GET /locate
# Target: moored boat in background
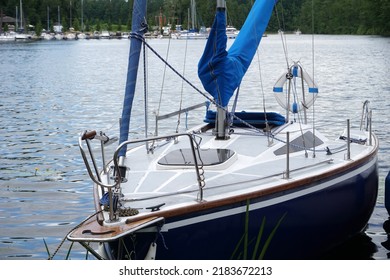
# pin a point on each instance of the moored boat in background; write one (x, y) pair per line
(231, 32)
(7, 37)
(59, 36)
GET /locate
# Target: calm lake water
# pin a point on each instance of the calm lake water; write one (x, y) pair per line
(50, 91)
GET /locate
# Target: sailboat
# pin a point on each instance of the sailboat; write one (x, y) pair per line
(192, 33)
(58, 29)
(240, 185)
(47, 35)
(82, 35)
(71, 34)
(231, 32)
(5, 36)
(22, 35)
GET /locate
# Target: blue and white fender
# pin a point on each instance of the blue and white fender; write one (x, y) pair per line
(291, 75)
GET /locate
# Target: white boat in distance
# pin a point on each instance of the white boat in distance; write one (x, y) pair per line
(7, 37)
(231, 32)
(22, 37)
(59, 36)
(47, 36)
(104, 35)
(190, 36)
(240, 185)
(70, 36)
(81, 36)
(202, 34)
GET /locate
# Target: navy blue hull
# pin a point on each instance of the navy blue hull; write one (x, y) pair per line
(310, 224)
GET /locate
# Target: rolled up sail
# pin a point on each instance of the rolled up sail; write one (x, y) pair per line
(221, 71)
(138, 30)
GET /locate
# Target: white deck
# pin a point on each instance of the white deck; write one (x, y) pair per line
(254, 166)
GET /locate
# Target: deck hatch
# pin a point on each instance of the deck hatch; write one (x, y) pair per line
(184, 157)
(306, 141)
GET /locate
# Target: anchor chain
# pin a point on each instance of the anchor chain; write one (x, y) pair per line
(76, 227)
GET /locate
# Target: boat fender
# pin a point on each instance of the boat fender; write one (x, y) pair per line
(295, 71)
(387, 193)
(151, 254)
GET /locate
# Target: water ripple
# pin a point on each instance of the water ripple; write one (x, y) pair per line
(44, 187)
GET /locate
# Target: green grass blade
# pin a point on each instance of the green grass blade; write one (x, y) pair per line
(259, 235)
(237, 247)
(268, 241)
(246, 230)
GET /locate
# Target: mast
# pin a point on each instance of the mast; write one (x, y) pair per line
(70, 14)
(21, 16)
(48, 20)
(82, 16)
(221, 126)
(16, 18)
(188, 19)
(59, 19)
(193, 14)
(1, 21)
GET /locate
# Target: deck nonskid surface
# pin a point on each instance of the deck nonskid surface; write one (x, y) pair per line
(255, 167)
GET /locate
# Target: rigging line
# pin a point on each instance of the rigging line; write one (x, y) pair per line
(281, 31)
(233, 110)
(234, 106)
(145, 94)
(312, 51)
(164, 72)
(299, 113)
(212, 101)
(182, 87)
(171, 67)
(267, 129)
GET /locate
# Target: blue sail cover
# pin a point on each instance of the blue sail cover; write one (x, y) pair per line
(221, 71)
(138, 29)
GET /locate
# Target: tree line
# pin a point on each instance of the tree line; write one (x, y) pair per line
(363, 17)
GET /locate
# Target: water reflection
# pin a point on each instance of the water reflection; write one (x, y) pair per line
(360, 247)
(43, 187)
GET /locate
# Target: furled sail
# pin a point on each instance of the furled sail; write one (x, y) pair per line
(139, 27)
(221, 71)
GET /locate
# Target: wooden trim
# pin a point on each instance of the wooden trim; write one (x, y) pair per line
(92, 231)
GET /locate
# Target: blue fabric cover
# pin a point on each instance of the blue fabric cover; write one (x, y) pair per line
(139, 12)
(221, 71)
(257, 119)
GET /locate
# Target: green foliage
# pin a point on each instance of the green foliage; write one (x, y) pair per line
(245, 244)
(76, 24)
(330, 17)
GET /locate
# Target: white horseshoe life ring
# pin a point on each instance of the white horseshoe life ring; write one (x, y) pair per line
(298, 102)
